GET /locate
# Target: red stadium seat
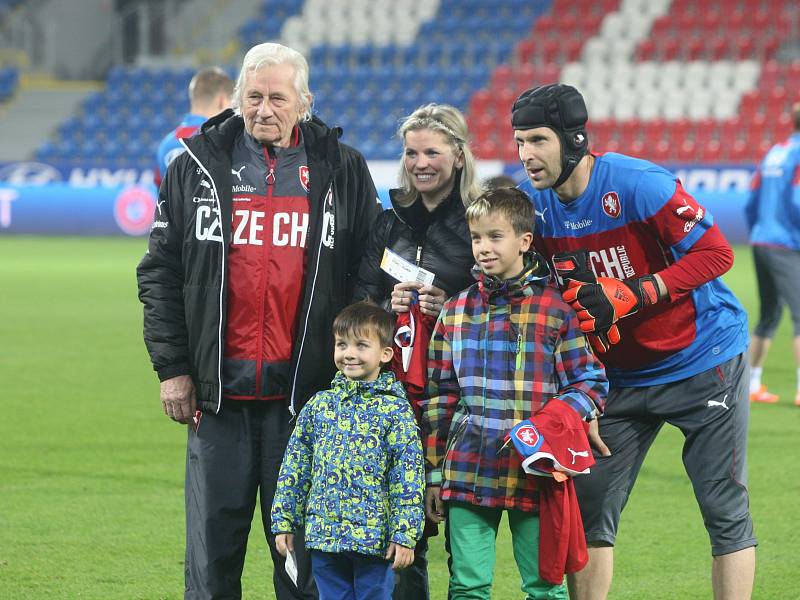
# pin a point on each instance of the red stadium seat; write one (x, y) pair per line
(658, 153)
(759, 21)
(590, 24)
(717, 48)
(567, 22)
(730, 130)
(686, 21)
(572, 49)
(655, 131)
(481, 103)
(711, 151)
(768, 46)
(508, 151)
(669, 48)
(695, 47)
(661, 27)
(487, 150)
(635, 148)
(549, 50)
(504, 99)
(734, 20)
(776, 101)
(525, 50)
(502, 77)
(744, 47)
(544, 24)
(646, 50)
(711, 21)
(482, 125)
(764, 145)
(686, 151)
(680, 131)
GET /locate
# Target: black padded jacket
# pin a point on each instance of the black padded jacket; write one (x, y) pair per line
(437, 240)
(182, 277)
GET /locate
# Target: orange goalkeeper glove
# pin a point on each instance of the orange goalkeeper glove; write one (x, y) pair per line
(599, 305)
(574, 266)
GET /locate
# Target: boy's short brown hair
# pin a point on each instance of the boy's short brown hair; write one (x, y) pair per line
(513, 204)
(363, 319)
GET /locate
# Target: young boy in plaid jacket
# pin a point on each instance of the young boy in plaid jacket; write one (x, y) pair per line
(500, 350)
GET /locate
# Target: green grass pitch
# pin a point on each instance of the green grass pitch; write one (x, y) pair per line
(91, 471)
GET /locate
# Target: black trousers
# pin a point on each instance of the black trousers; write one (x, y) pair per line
(233, 459)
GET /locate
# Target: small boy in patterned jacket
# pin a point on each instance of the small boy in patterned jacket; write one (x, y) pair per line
(500, 350)
(353, 471)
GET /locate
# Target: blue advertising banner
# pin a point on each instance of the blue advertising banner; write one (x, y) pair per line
(61, 209)
(36, 198)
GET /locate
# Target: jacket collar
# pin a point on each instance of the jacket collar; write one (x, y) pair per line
(535, 273)
(386, 383)
(220, 131)
(416, 216)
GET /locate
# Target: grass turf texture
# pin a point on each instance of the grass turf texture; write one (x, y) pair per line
(91, 471)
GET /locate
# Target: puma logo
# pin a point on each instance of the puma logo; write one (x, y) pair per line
(575, 455)
(541, 214)
(682, 209)
(722, 404)
(158, 205)
(239, 172)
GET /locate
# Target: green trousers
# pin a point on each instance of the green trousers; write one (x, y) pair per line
(473, 531)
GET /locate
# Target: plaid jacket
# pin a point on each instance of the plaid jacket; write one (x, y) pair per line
(499, 351)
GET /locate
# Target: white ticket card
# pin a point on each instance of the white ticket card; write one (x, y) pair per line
(291, 566)
(402, 270)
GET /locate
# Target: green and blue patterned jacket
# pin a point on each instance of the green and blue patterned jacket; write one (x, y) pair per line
(353, 470)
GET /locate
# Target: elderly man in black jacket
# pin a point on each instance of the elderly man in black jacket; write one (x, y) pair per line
(258, 233)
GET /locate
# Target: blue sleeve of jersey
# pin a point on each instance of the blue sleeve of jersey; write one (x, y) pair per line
(656, 187)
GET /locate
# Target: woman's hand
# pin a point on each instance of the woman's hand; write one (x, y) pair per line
(402, 294)
(431, 300)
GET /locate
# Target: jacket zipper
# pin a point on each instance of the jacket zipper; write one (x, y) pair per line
(223, 273)
(270, 179)
(311, 298)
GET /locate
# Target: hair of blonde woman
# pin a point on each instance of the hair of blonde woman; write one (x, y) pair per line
(275, 54)
(448, 121)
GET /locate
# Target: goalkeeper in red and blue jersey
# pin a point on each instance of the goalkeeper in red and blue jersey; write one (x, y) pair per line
(671, 335)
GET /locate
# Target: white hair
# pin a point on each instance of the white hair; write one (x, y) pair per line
(275, 54)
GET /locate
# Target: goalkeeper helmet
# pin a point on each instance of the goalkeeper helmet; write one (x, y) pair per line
(561, 108)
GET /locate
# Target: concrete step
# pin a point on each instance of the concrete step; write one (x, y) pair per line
(35, 112)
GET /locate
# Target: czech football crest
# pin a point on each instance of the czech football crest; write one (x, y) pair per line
(611, 204)
(527, 434)
(304, 177)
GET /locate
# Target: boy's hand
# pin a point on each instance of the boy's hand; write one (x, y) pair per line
(403, 556)
(284, 543)
(595, 440)
(434, 505)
